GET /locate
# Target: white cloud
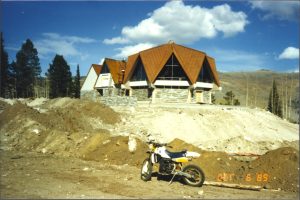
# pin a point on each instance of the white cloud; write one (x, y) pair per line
(235, 60)
(183, 24)
(60, 44)
(283, 10)
(289, 53)
(116, 40)
(101, 61)
(11, 48)
(129, 50)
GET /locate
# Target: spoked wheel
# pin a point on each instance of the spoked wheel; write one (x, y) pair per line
(197, 174)
(146, 170)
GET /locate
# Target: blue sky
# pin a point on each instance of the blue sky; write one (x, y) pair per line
(240, 35)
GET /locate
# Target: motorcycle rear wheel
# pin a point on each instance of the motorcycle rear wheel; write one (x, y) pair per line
(197, 173)
(146, 170)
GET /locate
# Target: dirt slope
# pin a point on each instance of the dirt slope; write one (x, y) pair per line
(94, 132)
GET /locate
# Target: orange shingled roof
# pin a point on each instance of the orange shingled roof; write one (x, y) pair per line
(190, 60)
(97, 68)
(155, 58)
(212, 65)
(129, 66)
(115, 69)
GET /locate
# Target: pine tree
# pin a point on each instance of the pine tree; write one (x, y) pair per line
(11, 73)
(27, 69)
(230, 100)
(60, 78)
(77, 84)
(3, 69)
(229, 97)
(274, 103)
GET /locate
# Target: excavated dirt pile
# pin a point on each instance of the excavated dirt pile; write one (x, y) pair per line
(277, 169)
(58, 126)
(89, 130)
(113, 150)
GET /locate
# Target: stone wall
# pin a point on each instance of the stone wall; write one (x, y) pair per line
(119, 101)
(141, 94)
(206, 97)
(171, 95)
(90, 95)
(110, 97)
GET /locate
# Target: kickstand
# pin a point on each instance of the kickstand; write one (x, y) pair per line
(172, 178)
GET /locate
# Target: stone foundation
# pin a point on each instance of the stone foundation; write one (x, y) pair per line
(171, 95)
(141, 94)
(119, 101)
(117, 97)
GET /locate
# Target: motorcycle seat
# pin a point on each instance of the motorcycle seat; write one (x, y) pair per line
(177, 154)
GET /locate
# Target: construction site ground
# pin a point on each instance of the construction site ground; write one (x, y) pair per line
(36, 175)
(68, 148)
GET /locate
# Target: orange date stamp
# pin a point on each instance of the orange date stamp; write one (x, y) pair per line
(257, 177)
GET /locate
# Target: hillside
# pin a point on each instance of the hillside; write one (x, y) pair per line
(259, 86)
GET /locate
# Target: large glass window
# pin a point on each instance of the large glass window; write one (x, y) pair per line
(104, 69)
(172, 70)
(139, 73)
(205, 74)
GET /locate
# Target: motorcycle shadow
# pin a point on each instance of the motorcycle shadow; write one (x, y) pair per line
(167, 178)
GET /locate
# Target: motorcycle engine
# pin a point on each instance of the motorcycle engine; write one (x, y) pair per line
(166, 166)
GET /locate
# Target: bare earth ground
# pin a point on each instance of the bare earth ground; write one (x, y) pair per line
(68, 148)
(36, 175)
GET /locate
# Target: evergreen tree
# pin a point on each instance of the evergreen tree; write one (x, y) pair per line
(60, 78)
(27, 69)
(236, 102)
(230, 100)
(274, 103)
(11, 74)
(77, 84)
(229, 97)
(3, 69)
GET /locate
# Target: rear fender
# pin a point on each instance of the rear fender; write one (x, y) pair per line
(192, 154)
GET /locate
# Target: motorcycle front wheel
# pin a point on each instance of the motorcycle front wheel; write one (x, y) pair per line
(197, 174)
(146, 170)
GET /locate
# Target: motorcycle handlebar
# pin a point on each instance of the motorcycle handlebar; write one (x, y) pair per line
(158, 144)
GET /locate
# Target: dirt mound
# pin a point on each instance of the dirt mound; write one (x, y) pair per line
(82, 108)
(62, 123)
(85, 129)
(276, 169)
(113, 150)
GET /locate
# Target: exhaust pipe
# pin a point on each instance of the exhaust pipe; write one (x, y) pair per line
(184, 174)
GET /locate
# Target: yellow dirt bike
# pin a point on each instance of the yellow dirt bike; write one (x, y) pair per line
(170, 163)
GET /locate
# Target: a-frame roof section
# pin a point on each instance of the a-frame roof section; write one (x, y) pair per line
(154, 59)
(97, 68)
(212, 66)
(191, 61)
(115, 68)
(130, 66)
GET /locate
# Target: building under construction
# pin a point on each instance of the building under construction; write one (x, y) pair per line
(165, 73)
